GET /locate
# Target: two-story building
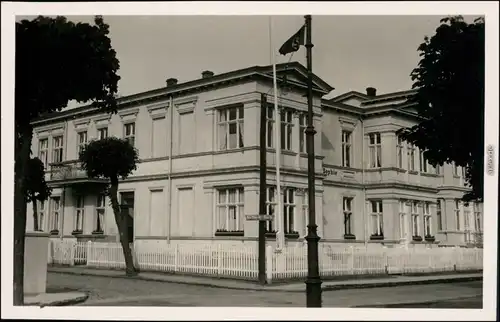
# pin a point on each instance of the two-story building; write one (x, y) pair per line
(198, 175)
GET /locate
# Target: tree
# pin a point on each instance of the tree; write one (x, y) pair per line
(56, 61)
(449, 83)
(36, 187)
(113, 158)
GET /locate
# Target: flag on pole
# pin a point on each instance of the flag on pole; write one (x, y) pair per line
(293, 44)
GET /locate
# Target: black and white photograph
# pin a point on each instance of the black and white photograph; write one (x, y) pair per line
(340, 156)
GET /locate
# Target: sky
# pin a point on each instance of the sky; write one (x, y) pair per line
(349, 53)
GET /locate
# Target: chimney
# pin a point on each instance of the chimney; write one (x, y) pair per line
(171, 81)
(207, 74)
(371, 91)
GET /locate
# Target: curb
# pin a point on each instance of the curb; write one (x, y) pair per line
(73, 301)
(277, 289)
(398, 305)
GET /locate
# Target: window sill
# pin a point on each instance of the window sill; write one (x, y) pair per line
(376, 237)
(412, 172)
(76, 232)
(427, 174)
(401, 170)
(349, 236)
(54, 232)
(294, 235)
(417, 238)
(270, 234)
(229, 233)
(98, 233)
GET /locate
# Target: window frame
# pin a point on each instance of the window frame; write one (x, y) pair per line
(79, 214)
(375, 150)
(377, 213)
(238, 206)
(100, 214)
(346, 137)
(131, 136)
(286, 130)
(347, 211)
(57, 150)
(55, 213)
(226, 123)
(43, 150)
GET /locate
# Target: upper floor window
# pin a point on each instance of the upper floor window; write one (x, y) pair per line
(230, 127)
(455, 169)
(286, 129)
(102, 133)
(129, 133)
(230, 209)
(399, 151)
(346, 148)
(423, 162)
(457, 214)
(411, 157)
(43, 151)
(439, 215)
(82, 140)
(57, 149)
(347, 209)
(270, 127)
(302, 130)
(375, 147)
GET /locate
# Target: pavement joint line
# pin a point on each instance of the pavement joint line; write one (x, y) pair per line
(277, 288)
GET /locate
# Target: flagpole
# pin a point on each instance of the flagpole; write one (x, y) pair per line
(278, 221)
(313, 281)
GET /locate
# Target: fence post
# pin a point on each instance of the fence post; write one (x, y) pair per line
(219, 259)
(176, 258)
(269, 264)
(88, 256)
(72, 254)
(352, 261)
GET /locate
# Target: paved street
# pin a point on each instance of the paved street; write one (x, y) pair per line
(105, 291)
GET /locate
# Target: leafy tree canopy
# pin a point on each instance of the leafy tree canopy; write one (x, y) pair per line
(57, 61)
(449, 80)
(35, 184)
(109, 158)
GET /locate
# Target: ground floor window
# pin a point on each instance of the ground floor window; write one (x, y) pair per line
(100, 214)
(377, 219)
(289, 210)
(40, 215)
(54, 215)
(230, 210)
(80, 213)
(347, 210)
(270, 208)
(427, 220)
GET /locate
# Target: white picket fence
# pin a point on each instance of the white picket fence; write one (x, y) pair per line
(241, 262)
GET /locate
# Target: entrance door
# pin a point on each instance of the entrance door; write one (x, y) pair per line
(127, 203)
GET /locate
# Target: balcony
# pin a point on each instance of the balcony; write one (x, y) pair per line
(69, 172)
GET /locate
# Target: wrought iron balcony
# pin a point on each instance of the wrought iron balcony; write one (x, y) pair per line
(68, 172)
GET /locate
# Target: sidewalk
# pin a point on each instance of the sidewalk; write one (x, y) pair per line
(289, 287)
(55, 299)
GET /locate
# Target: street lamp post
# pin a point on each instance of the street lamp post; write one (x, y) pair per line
(313, 281)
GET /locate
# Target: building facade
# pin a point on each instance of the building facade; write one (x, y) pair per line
(198, 176)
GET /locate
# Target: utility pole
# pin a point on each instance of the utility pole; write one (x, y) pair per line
(262, 190)
(313, 281)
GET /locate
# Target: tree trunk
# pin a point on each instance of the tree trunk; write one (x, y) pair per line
(22, 155)
(121, 222)
(35, 214)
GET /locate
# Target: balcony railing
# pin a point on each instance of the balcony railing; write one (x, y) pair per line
(67, 171)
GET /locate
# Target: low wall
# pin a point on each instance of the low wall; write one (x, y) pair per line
(35, 262)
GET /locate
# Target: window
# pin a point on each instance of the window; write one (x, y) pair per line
(427, 220)
(102, 133)
(347, 209)
(271, 207)
(82, 140)
(57, 149)
(41, 215)
(289, 210)
(100, 213)
(286, 129)
(415, 227)
(230, 128)
(477, 218)
(305, 212)
(457, 214)
(302, 128)
(129, 134)
(455, 169)
(270, 127)
(423, 163)
(375, 148)
(411, 157)
(467, 224)
(439, 215)
(403, 220)
(43, 147)
(346, 148)
(399, 149)
(230, 212)
(54, 216)
(438, 169)
(377, 222)
(80, 212)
